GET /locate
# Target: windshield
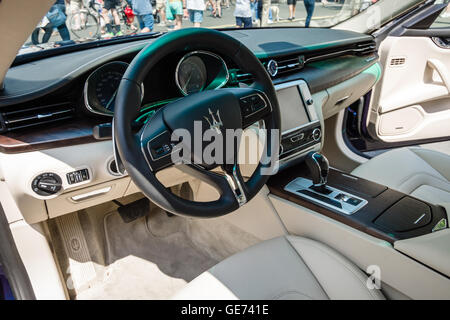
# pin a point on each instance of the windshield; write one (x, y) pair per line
(77, 21)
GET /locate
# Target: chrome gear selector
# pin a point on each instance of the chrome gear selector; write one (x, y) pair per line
(319, 167)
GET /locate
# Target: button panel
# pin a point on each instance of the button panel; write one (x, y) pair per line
(160, 146)
(158, 150)
(78, 176)
(299, 139)
(252, 104)
(348, 199)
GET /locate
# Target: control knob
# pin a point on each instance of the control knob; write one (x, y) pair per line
(317, 134)
(47, 184)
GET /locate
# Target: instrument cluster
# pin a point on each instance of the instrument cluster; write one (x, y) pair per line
(195, 72)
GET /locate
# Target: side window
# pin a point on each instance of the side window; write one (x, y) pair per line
(443, 21)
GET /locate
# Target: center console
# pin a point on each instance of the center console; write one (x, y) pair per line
(367, 206)
(300, 123)
(364, 205)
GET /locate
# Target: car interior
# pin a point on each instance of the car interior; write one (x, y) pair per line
(354, 187)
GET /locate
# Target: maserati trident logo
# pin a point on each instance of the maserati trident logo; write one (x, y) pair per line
(214, 123)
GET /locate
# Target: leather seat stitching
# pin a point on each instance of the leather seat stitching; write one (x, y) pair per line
(419, 174)
(279, 295)
(429, 185)
(417, 153)
(312, 273)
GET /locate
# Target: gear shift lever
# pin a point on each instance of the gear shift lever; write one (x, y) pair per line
(319, 167)
(317, 191)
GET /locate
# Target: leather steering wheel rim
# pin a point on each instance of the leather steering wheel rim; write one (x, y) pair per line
(132, 146)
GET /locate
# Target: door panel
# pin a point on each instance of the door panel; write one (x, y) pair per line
(412, 100)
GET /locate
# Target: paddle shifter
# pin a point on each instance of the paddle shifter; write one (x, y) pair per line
(319, 167)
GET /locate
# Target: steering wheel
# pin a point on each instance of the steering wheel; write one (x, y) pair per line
(151, 149)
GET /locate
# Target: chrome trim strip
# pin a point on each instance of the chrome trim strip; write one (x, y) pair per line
(315, 147)
(289, 84)
(298, 147)
(323, 180)
(341, 100)
(90, 195)
(268, 68)
(420, 218)
(115, 152)
(234, 183)
(348, 176)
(299, 127)
(338, 53)
(38, 116)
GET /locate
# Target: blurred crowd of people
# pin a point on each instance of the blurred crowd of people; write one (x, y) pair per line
(247, 13)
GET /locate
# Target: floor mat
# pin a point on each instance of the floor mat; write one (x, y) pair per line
(150, 258)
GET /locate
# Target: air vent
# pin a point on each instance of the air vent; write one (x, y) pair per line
(19, 117)
(290, 63)
(398, 61)
(281, 65)
(244, 77)
(365, 48)
(238, 76)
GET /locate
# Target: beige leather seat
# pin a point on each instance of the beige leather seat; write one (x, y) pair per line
(282, 268)
(422, 173)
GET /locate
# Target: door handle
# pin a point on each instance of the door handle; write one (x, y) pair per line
(443, 43)
(442, 70)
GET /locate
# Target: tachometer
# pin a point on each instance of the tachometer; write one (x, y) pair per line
(200, 70)
(101, 87)
(191, 75)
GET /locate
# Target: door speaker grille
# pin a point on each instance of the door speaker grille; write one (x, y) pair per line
(398, 61)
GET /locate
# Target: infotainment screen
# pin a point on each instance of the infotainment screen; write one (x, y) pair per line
(293, 111)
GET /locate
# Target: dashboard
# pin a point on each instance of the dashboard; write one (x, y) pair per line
(48, 120)
(80, 91)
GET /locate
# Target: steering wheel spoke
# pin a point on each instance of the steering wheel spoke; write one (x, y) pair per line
(236, 183)
(221, 183)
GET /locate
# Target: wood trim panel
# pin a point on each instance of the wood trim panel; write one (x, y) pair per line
(77, 131)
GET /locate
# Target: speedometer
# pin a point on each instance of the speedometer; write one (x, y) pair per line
(106, 88)
(101, 87)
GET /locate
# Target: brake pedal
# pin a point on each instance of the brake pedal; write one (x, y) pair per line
(134, 210)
